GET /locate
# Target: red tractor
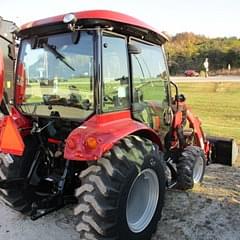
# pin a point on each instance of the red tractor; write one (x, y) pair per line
(94, 122)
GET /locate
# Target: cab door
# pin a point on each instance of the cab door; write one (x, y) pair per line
(150, 87)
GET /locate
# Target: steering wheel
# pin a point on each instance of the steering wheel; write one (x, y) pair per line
(107, 99)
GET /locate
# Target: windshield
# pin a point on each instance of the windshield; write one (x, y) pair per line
(55, 75)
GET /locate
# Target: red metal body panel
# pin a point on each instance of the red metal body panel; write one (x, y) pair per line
(106, 129)
(177, 121)
(195, 124)
(21, 83)
(1, 76)
(96, 14)
(23, 124)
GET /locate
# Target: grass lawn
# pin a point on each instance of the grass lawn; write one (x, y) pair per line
(217, 105)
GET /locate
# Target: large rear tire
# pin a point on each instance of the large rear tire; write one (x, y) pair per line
(122, 194)
(18, 197)
(190, 167)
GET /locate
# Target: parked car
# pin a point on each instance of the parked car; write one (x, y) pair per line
(191, 73)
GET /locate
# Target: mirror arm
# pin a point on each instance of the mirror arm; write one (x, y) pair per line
(15, 56)
(176, 89)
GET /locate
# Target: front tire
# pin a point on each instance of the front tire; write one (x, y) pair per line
(190, 167)
(122, 194)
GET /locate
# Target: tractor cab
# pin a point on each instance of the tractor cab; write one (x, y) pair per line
(91, 65)
(80, 67)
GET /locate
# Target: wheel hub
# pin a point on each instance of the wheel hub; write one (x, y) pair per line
(142, 200)
(198, 169)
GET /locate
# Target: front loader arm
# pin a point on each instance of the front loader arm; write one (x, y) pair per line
(182, 116)
(217, 149)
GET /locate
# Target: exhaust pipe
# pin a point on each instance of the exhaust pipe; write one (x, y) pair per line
(224, 150)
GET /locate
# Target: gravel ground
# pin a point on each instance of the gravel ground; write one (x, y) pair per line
(210, 212)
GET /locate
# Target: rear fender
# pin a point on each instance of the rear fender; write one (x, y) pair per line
(97, 135)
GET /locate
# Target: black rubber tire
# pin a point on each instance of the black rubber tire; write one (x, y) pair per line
(185, 167)
(18, 198)
(105, 186)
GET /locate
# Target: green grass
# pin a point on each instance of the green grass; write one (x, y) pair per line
(217, 105)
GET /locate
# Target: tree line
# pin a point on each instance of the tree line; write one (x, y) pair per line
(188, 51)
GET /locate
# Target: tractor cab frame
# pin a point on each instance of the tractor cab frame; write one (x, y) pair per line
(100, 67)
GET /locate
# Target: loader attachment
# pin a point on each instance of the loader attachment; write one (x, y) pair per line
(224, 150)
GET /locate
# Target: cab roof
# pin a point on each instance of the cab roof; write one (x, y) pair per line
(106, 15)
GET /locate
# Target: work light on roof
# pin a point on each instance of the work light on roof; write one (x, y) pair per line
(70, 18)
(14, 29)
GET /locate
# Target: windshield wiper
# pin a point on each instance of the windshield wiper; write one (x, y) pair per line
(58, 55)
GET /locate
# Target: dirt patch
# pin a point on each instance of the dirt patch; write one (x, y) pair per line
(209, 212)
(55, 226)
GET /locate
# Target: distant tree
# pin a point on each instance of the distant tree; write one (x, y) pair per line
(188, 51)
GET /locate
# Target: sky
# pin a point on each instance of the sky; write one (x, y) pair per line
(212, 18)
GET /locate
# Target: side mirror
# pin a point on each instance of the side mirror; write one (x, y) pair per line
(1, 76)
(134, 49)
(11, 52)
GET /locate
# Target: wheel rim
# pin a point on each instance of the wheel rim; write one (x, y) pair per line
(198, 170)
(168, 174)
(142, 200)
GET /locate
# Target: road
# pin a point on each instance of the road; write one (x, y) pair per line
(209, 79)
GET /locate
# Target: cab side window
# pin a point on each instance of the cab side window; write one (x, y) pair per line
(115, 73)
(150, 85)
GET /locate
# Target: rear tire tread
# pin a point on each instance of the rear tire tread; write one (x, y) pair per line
(96, 220)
